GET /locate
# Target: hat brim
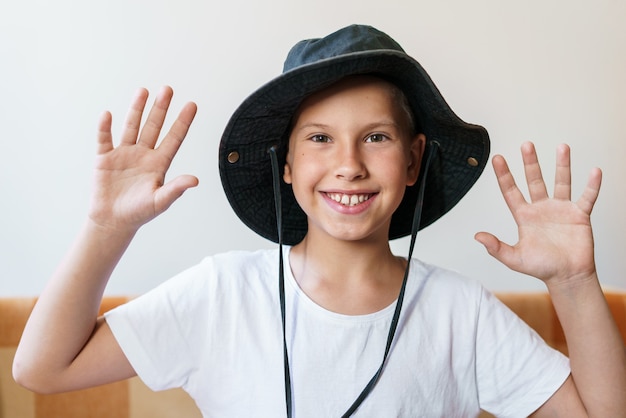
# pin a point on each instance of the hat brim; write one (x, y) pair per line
(263, 120)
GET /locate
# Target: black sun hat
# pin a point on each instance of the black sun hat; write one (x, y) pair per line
(262, 121)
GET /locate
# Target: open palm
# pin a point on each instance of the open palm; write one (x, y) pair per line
(130, 187)
(555, 237)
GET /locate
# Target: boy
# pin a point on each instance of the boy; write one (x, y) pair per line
(367, 150)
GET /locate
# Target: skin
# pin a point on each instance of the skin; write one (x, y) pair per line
(65, 346)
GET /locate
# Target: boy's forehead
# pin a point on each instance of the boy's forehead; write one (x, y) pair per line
(390, 100)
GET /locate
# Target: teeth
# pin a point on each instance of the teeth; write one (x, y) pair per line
(349, 199)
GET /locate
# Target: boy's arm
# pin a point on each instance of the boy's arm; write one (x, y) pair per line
(64, 345)
(556, 246)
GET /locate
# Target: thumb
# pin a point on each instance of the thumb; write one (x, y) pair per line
(496, 248)
(499, 250)
(172, 190)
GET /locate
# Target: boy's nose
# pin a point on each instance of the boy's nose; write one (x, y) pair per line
(350, 164)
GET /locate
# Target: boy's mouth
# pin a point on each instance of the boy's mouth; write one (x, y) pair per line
(349, 199)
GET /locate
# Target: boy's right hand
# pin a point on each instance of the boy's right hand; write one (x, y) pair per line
(130, 187)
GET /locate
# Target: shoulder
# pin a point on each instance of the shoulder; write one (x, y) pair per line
(214, 276)
(438, 279)
(240, 267)
(243, 260)
(453, 294)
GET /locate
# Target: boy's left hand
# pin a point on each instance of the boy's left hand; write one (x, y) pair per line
(555, 238)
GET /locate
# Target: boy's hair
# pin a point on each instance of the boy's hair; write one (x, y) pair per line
(398, 97)
(402, 101)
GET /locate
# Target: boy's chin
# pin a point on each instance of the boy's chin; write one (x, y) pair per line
(356, 235)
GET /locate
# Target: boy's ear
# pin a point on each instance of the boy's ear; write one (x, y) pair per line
(287, 173)
(416, 152)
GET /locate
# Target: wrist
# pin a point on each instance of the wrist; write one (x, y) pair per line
(109, 231)
(572, 284)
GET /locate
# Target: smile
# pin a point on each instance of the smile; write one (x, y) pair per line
(348, 199)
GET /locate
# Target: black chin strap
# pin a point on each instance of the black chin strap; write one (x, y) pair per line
(417, 214)
(281, 274)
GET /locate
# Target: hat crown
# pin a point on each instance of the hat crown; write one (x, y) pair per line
(349, 40)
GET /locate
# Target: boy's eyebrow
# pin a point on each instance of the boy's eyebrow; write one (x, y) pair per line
(316, 125)
(323, 126)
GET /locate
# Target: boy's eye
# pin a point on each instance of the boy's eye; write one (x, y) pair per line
(375, 138)
(320, 138)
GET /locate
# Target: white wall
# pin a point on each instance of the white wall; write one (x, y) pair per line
(547, 71)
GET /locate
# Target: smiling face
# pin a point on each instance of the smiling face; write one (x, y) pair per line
(352, 152)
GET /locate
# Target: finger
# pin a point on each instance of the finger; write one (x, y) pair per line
(591, 192)
(536, 186)
(563, 176)
(174, 138)
(152, 128)
(133, 117)
(104, 137)
(172, 190)
(502, 252)
(511, 193)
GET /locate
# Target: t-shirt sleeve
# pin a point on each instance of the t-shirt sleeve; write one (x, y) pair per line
(157, 331)
(513, 362)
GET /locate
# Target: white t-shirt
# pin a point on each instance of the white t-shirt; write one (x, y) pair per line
(215, 330)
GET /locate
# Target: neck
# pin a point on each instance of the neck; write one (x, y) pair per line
(350, 277)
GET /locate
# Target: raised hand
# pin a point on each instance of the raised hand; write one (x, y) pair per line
(64, 346)
(130, 187)
(555, 238)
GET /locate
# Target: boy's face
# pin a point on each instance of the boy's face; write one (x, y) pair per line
(351, 154)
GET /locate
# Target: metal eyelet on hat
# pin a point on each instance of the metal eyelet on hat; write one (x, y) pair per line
(473, 162)
(233, 157)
